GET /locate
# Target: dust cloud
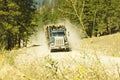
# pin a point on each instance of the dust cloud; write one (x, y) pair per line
(73, 34)
(38, 38)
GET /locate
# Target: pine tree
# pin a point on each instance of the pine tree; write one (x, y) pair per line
(17, 21)
(8, 14)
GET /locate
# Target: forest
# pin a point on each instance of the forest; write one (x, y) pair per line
(20, 19)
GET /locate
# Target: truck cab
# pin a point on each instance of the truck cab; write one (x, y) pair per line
(57, 39)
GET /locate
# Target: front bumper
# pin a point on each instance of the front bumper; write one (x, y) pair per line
(60, 47)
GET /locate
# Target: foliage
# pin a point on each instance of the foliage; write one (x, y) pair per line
(96, 18)
(19, 19)
(17, 22)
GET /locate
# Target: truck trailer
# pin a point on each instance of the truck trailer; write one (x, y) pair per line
(57, 37)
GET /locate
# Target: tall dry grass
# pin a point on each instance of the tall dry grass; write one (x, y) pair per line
(106, 45)
(49, 69)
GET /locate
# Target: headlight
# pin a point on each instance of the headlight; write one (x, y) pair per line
(52, 44)
(66, 43)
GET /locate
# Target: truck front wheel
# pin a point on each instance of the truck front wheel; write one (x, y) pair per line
(51, 50)
(67, 49)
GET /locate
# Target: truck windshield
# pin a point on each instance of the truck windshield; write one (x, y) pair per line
(58, 33)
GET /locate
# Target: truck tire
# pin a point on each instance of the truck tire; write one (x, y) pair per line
(67, 49)
(51, 50)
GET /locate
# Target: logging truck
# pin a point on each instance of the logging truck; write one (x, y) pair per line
(57, 37)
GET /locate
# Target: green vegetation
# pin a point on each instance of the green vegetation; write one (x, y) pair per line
(96, 18)
(19, 19)
(17, 22)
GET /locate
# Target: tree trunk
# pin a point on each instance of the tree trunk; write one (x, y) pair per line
(9, 42)
(19, 42)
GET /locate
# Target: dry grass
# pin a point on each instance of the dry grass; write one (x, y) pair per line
(48, 69)
(107, 45)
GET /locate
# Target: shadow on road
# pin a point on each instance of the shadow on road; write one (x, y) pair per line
(61, 50)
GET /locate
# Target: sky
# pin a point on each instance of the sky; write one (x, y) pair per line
(41, 1)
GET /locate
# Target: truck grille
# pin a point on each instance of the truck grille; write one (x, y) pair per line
(59, 42)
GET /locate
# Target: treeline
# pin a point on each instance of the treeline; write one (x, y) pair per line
(17, 22)
(95, 17)
(19, 19)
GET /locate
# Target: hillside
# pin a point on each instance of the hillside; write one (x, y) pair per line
(108, 45)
